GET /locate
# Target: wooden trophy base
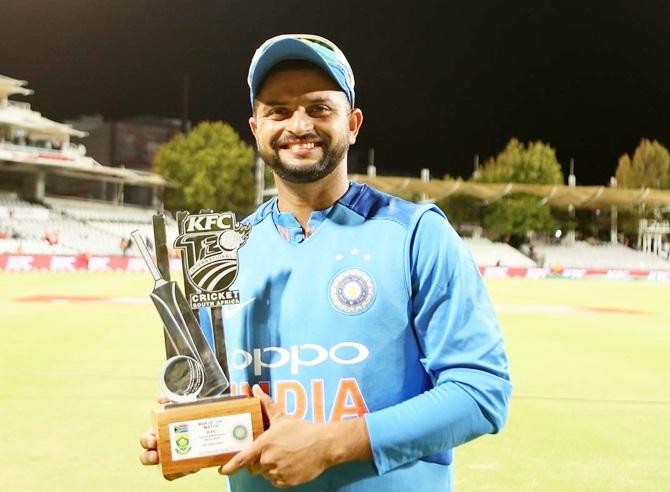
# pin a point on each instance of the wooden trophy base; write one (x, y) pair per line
(206, 432)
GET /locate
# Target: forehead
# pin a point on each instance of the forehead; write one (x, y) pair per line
(294, 83)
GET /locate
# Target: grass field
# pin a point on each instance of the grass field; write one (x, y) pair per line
(590, 365)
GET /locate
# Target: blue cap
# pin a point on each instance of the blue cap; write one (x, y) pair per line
(315, 49)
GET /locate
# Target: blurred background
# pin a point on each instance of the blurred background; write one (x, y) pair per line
(540, 128)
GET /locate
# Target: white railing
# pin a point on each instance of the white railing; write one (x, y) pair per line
(73, 150)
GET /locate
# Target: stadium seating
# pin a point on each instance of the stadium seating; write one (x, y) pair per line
(109, 225)
(486, 252)
(61, 226)
(614, 256)
(74, 227)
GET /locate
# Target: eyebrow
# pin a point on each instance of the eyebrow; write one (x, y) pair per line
(274, 102)
(280, 102)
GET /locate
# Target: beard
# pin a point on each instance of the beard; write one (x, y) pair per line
(332, 157)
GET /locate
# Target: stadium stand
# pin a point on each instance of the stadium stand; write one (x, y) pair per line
(68, 226)
(486, 252)
(72, 227)
(584, 255)
(34, 148)
(110, 225)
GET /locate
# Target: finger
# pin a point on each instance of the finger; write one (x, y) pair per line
(272, 410)
(162, 399)
(149, 440)
(241, 459)
(255, 468)
(149, 457)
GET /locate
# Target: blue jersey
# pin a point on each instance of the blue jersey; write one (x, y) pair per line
(380, 312)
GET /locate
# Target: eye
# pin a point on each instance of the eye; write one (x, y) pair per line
(319, 110)
(278, 112)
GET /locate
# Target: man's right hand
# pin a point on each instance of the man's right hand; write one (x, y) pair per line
(149, 441)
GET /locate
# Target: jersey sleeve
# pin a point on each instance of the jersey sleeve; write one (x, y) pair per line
(462, 352)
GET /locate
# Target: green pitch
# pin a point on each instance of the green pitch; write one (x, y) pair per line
(590, 365)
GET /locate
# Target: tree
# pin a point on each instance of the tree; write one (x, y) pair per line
(212, 168)
(534, 163)
(461, 209)
(518, 213)
(650, 167)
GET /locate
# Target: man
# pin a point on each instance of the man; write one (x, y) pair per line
(362, 315)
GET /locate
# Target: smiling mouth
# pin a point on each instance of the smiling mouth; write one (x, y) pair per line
(297, 146)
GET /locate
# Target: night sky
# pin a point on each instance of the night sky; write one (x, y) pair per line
(438, 82)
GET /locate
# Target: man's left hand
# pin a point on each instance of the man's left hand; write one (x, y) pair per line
(289, 453)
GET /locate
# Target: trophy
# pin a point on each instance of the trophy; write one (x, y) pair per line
(203, 425)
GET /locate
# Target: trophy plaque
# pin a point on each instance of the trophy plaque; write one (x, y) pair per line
(203, 425)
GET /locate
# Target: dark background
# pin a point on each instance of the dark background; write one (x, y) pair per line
(438, 81)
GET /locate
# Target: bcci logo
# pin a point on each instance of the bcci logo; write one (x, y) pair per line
(352, 291)
(240, 432)
(209, 243)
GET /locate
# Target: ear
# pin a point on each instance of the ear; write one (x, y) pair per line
(254, 126)
(355, 122)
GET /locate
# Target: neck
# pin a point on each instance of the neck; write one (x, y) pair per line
(302, 199)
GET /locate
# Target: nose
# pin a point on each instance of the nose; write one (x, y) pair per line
(300, 123)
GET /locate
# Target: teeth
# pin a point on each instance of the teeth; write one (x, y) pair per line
(297, 146)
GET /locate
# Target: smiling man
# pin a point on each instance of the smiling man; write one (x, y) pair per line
(366, 330)
(303, 124)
